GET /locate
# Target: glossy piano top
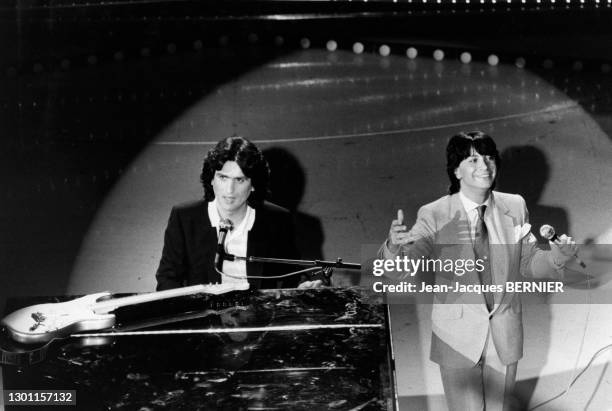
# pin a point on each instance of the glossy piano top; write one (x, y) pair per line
(271, 349)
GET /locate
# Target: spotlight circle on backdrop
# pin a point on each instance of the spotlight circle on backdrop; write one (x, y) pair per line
(278, 108)
(364, 127)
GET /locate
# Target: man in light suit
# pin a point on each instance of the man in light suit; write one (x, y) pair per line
(477, 338)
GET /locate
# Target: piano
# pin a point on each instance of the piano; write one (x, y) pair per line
(286, 349)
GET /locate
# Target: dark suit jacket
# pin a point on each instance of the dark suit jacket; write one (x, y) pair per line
(190, 242)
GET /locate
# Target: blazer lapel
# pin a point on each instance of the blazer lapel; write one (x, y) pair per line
(459, 232)
(210, 237)
(255, 241)
(502, 243)
(505, 220)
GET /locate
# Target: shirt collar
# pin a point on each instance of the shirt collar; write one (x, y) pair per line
(213, 215)
(470, 205)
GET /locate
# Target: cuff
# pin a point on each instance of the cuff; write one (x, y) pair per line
(387, 253)
(558, 266)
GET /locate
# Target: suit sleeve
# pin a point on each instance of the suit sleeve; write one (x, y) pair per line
(536, 262)
(290, 251)
(172, 267)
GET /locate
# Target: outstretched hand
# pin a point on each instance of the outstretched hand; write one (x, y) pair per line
(398, 234)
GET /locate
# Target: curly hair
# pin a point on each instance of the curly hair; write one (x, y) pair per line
(460, 147)
(247, 156)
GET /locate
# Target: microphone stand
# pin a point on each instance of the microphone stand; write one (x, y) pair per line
(325, 265)
(306, 263)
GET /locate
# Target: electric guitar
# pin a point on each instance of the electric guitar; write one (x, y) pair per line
(42, 323)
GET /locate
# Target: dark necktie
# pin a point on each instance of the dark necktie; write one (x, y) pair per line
(481, 250)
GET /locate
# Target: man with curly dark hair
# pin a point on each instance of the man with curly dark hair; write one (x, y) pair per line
(235, 179)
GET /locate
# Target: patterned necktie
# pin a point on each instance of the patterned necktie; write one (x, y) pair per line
(481, 250)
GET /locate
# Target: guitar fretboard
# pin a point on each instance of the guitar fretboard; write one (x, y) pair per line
(112, 304)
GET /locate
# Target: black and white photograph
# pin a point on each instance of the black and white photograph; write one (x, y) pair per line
(398, 205)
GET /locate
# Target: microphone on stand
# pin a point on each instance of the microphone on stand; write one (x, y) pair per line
(548, 232)
(225, 225)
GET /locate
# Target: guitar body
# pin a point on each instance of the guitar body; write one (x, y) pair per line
(42, 323)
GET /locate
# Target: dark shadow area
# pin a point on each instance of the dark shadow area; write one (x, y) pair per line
(79, 99)
(525, 171)
(287, 185)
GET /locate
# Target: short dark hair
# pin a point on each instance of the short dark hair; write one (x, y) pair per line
(247, 156)
(460, 147)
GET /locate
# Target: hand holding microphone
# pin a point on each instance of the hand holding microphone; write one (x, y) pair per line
(563, 247)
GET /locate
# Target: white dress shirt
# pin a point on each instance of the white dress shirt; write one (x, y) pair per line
(235, 243)
(471, 209)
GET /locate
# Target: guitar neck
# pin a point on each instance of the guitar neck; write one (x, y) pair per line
(112, 304)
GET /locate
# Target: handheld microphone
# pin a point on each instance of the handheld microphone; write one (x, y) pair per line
(548, 232)
(225, 225)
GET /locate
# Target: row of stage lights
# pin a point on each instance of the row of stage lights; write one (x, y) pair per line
(358, 48)
(383, 50)
(465, 57)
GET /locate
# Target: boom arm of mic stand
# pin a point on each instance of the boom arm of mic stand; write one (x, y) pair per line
(306, 263)
(324, 265)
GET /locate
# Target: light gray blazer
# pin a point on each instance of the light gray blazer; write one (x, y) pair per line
(461, 322)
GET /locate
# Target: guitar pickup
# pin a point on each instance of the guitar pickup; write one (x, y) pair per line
(38, 317)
